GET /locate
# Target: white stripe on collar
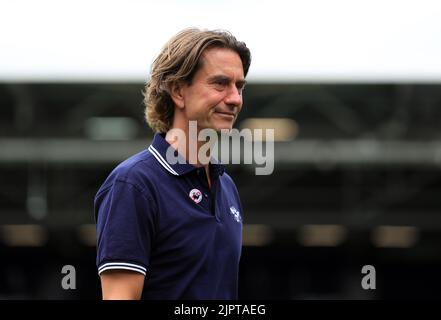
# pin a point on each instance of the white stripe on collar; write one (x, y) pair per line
(162, 161)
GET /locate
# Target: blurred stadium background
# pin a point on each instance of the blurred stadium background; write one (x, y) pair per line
(357, 177)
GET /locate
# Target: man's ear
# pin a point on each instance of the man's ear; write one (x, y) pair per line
(176, 93)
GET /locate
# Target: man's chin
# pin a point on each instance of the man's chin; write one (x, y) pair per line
(219, 129)
(224, 125)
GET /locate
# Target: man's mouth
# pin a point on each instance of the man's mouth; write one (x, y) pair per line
(226, 114)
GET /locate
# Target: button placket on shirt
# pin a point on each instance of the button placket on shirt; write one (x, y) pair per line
(207, 192)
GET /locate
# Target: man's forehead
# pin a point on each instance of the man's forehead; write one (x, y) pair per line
(221, 61)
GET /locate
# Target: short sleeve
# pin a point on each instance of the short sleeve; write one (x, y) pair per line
(125, 223)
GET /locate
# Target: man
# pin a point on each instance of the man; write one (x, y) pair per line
(174, 230)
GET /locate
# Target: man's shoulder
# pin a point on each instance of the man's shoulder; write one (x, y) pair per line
(137, 170)
(228, 182)
(227, 178)
(134, 165)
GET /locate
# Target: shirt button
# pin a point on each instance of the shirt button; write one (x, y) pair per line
(205, 195)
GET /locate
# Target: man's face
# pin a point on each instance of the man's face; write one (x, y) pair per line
(214, 98)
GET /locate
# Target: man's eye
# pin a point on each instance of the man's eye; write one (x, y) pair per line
(219, 85)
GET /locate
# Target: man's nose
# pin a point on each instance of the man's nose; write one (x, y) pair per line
(234, 97)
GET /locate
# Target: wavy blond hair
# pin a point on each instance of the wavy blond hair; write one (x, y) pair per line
(177, 63)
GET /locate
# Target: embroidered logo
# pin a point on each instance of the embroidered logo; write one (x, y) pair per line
(195, 195)
(235, 213)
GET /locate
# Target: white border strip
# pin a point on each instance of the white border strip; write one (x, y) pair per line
(162, 161)
(122, 265)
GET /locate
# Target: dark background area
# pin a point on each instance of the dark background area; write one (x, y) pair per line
(357, 184)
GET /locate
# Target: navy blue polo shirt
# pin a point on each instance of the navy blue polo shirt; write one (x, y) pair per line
(163, 220)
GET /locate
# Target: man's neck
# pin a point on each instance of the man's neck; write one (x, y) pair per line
(191, 145)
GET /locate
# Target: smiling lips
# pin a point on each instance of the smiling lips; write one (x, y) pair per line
(229, 115)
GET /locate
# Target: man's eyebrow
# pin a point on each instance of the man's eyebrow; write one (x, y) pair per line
(220, 77)
(241, 83)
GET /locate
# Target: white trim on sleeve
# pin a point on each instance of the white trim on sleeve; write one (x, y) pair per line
(122, 265)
